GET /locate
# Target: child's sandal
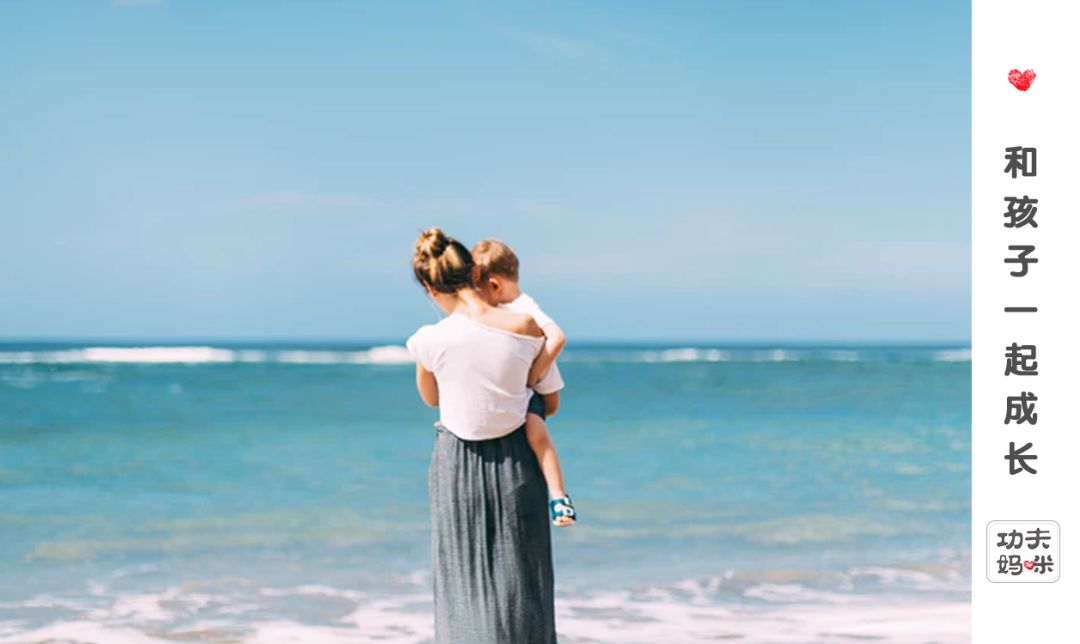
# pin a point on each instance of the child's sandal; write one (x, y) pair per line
(562, 509)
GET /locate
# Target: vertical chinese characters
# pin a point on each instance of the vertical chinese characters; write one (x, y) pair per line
(1020, 359)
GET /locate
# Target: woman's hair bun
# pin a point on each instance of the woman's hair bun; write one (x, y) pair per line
(432, 242)
(442, 262)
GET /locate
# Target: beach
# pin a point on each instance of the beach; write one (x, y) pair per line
(277, 492)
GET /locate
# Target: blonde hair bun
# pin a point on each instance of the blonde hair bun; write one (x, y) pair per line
(442, 262)
(432, 242)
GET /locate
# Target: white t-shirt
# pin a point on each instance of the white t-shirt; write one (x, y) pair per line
(481, 373)
(525, 304)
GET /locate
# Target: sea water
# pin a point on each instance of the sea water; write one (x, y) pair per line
(278, 492)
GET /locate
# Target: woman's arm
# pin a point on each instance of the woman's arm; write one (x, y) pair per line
(427, 386)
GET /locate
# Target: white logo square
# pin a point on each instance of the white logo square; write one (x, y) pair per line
(1023, 551)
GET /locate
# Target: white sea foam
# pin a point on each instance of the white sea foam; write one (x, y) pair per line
(794, 593)
(121, 355)
(157, 354)
(844, 356)
(376, 355)
(616, 616)
(390, 354)
(75, 631)
(206, 355)
(765, 610)
(776, 355)
(953, 355)
(684, 355)
(318, 357)
(399, 355)
(947, 578)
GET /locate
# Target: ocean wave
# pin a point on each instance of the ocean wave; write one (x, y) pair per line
(120, 355)
(844, 356)
(391, 354)
(953, 355)
(683, 355)
(399, 355)
(763, 355)
(776, 355)
(239, 610)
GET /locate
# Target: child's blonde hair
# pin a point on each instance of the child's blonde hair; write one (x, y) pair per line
(495, 258)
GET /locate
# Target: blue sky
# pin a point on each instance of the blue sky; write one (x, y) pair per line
(779, 171)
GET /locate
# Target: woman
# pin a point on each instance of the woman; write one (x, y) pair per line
(491, 540)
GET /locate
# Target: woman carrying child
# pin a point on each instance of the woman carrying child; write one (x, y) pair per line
(491, 538)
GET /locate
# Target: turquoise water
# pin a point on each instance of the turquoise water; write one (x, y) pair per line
(157, 487)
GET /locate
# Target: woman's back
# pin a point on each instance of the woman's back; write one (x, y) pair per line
(493, 578)
(481, 370)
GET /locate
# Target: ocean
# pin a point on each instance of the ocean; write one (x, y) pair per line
(278, 493)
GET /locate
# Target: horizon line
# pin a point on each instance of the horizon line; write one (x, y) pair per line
(208, 340)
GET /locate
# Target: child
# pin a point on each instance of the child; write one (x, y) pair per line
(499, 285)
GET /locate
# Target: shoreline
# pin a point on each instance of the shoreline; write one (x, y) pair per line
(610, 616)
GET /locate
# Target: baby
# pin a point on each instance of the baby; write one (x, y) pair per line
(499, 286)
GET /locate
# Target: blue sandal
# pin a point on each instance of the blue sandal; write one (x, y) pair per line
(562, 507)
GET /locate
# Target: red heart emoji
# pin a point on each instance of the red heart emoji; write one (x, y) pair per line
(1030, 565)
(1022, 80)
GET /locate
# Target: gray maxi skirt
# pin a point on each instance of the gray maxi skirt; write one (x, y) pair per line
(490, 542)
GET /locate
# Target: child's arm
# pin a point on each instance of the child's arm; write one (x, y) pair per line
(427, 386)
(553, 346)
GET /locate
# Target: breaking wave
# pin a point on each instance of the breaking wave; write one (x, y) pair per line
(399, 355)
(207, 355)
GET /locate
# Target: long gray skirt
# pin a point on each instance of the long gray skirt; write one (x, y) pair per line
(491, 542)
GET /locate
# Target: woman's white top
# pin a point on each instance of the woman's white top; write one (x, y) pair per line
(481, 371)
(525, 304)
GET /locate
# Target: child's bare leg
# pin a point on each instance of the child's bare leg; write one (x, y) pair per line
(544, 448)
